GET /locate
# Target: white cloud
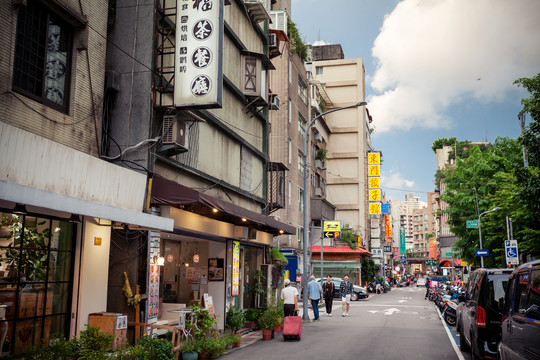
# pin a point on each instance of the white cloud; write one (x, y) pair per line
(395, 181)
(433, 54)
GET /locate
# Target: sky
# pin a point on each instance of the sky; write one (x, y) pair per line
(434, 69)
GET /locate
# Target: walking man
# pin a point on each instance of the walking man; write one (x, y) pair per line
(314, 295)
(289, 295)
(345, 291)
(328, 290)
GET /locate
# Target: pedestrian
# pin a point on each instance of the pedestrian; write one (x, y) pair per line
(378, 287)
(345, 291)
(328, 290)
(428, 285)
(314, 295)
(289, 295)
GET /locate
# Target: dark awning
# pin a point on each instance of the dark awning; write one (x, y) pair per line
(168, 192)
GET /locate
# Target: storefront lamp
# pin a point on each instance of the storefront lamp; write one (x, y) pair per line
(215, 210)
(160, 261)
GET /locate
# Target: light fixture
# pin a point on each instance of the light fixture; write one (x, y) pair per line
(74, 218)
(215, 210)
(186, 264)
(281, 231)
(57, 229)
(244, 219)
(160, 261)
(20, 209)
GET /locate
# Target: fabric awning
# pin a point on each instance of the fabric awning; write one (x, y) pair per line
(168, 192)
(340, 250)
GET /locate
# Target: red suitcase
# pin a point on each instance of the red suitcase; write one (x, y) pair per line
(292, 327)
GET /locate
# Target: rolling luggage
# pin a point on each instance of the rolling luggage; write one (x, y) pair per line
(292, 327)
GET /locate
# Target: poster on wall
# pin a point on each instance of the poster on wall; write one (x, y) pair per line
(216, 270)
(198, 55)
(153, 294)
(236, 268)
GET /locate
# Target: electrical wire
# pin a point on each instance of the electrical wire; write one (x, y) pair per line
(131, 148)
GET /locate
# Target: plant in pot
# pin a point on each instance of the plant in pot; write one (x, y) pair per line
(251, 317)
(234, 319)
(212, 347)
(190, 349)
(236, 340)
(268, 321)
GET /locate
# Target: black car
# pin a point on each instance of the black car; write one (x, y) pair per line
(358, 291)
(521, 318)
(479, 312)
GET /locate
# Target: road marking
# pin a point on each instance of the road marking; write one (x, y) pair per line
(452, 340)
(402, 301)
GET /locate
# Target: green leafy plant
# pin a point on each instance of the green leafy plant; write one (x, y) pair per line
(203, 323)
(155, 349)
(321, 154)
(214, 346)
(297, 44)
(277, 255)
(234, 319)
(190, 346)
(257, 288)
(252, 314)
(270, 318)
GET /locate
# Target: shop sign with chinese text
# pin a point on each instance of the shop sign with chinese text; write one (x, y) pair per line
(235, 268)
(198, 55)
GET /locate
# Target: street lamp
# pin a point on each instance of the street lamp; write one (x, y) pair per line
(480, 231)
(305, 237)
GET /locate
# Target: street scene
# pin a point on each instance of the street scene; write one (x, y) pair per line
(269, 179)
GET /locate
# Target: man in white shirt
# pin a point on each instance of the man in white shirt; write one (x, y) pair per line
(289, 295)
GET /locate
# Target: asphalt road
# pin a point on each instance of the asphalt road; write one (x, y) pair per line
(397, 325)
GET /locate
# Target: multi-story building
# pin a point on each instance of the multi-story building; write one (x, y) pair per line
(60, 201)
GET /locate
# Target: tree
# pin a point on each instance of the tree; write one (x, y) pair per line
(368, 269)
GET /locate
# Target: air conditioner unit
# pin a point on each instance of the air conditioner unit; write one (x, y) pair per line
(174, 132)
(273, 40)
(274, 102)
(319, 164)
(318, 191)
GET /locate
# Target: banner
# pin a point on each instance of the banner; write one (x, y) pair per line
(235, 268)
(387, 225)
(432, 248)
(402, 244)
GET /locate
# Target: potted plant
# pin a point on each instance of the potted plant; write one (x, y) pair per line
(237, 340)
(190, 350)
(251, 317)
(234, 319)
(212, 347)
(268, 321)
(277, 256)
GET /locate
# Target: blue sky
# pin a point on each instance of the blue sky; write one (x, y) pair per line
(437, 68)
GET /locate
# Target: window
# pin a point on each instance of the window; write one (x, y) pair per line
(290, 71)
(42, 56)
(300, 200)
(290, 111)
(300, 236)
(301, 162)
(521, 293)
(318, 70)
(289, 194)
(302, 90)
(290, 152)
(302, 123)
(36, 262)
(534, 296)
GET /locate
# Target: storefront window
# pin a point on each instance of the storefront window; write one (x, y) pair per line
(36, 261)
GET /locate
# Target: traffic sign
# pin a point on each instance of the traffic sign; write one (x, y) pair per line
(472, 224)
(403, 260)
(511, 250)
(332, 229)
(481, 252)
(387, 249)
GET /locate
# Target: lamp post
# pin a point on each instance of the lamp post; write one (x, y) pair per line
(305, 237)
(480, 231)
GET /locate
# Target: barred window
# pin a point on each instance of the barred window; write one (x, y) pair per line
(42, 56)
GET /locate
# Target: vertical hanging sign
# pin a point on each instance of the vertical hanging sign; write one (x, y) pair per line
(198, 72)
(402, 245)
(374, 183)
(235, 268)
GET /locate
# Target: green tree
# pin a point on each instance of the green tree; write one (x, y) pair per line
(368, 269)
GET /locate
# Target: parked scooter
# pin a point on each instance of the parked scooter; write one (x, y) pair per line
(450, 313)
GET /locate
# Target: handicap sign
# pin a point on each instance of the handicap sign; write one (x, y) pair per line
(511, 250)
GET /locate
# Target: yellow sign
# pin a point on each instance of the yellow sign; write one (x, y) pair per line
(374, 158)
(374, 182)
(374, 170)
(375, 195)
(360, 242)
(375, 208)
(332, 226)
(235, 268)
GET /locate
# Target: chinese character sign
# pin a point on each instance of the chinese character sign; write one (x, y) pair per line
(375, 195)
(374, 170)
(198, 55)
(387, 225)
(374, 182)
(374, 208)
(235, 268)
(374, 158)
(402, 244)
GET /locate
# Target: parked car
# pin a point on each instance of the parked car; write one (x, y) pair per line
(359, 292)
(479, 312)
(521, 318)
(421, 282)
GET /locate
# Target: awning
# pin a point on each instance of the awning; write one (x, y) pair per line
(449, 263)
(340, 250)
(168, 192)
(49, 200)
(336, 264)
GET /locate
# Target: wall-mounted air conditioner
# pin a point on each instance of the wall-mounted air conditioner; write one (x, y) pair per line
(274, 102)
(174, 132)
(273, 40)
(318, 191)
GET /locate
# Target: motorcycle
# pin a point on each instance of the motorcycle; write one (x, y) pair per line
(450, 313)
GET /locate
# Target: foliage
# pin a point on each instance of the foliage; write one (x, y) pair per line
(190, 346)
(270, 318)
(214, 346)
(440, 143)
(368, 269)
(297, 45)
(350, 237)
(94, 344)
(278, 255)
(234, 319)
(321, 154)
(531, 134)
(154, 348)
(203, 323)
(32, 262)
(252, 314)
(257, 288)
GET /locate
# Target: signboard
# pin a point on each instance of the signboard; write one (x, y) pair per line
(387, 249)
(472, 224)
(396, 251)
(402, 244)
(376, 252)
(387, 225)
(375, 233)
(403, 260)
(481, 252)
(235, 268)
(374, 170)
(374, 158)
(375, 195)
(431, 262)
(332, 229)
(209, 304)
(511, 250)
(374, 183)
(374, 208)
(360, 242)
(385, 208)
(433, 248)
(198, 69)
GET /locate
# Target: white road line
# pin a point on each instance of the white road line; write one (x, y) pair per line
(454, 345)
